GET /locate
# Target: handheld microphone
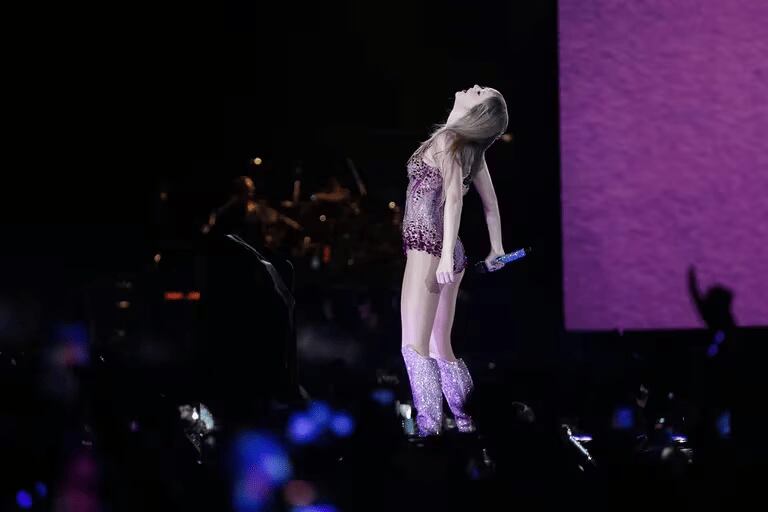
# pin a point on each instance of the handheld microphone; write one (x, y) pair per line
(481, 267)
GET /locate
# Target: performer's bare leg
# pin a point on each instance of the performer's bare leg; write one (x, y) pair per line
(419, 300)
(440, 337)
(455, 379)
(418, 306)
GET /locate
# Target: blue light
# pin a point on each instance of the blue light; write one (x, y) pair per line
(41, 489)
(315, 508)
(320, 412)
(712, 350)
(261, 466)
(72, 332)
(73, 344)
(277, 467)
(383, 396)
(724, 425)
(264, 452)
(719, 337)
(343, 425)
(24, 499)
(623, 418)
(303, 428)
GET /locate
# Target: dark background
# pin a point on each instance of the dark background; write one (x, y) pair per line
(109, 108)
(137, 102)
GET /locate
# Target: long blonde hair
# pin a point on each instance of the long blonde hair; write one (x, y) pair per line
(470, 136)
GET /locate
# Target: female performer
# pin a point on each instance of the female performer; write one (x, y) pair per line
(439, 173)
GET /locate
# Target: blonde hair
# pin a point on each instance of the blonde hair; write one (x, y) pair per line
(470, 136)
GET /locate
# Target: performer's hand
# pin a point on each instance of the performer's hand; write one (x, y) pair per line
(444, 272)
(490, 262)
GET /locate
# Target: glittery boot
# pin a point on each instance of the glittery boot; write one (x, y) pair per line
(457, 387)
(424, 375)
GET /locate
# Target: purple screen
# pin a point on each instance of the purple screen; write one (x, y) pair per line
(664, 126)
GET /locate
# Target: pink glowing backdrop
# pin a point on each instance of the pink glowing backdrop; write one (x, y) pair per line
(664, 126)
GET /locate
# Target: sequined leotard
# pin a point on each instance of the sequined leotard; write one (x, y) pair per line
(423, 216)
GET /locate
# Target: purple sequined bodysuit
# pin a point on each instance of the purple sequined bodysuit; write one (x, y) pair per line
(423, 216)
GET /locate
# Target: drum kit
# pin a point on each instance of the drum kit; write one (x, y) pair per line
(331, 227)
(328, 226)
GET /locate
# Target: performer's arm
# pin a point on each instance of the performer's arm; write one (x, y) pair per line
(484, 187)
(454, 196)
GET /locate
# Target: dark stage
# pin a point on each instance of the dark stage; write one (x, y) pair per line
(151, 361)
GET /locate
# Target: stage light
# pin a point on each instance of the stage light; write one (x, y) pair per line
(316, 508)
(350, 262)
(158, 257)
(24, 499)
(42, 489)
(303, 429)
(383, 396)
(257, 161)
(507, 137)
(323, 218)
(261, 464)
(343, 424)
(163, 196)
(123, 304)
(623, 418)
(273, 461)
(723, 425)
(320, 412)
(193, 296)
(171, 296)
(392, 205)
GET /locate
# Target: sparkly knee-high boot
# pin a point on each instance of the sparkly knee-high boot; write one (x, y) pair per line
(424, 375)
(457, 387)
